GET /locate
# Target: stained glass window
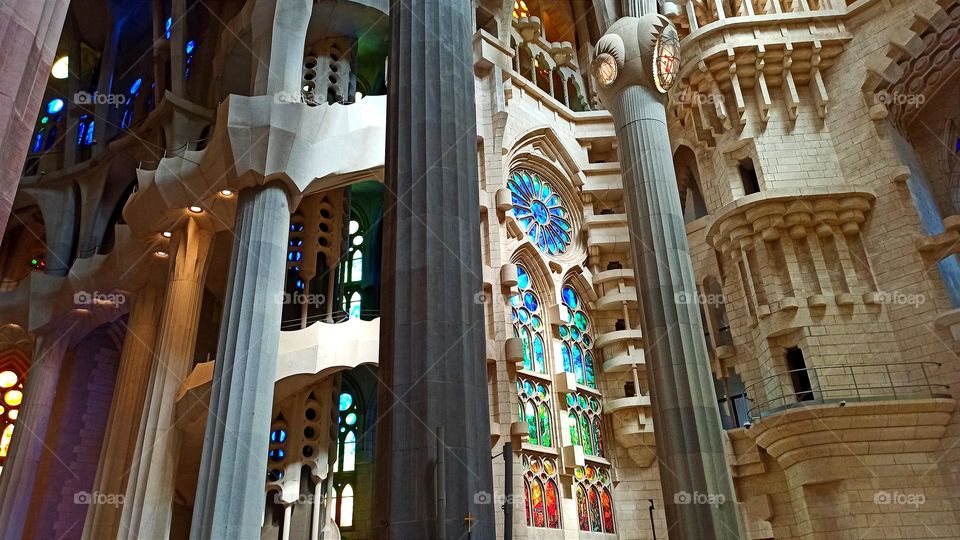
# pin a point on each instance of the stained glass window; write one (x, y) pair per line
(520, 9)
(352, 269)
(534, 409)
(540, 212)
(349, 420)
(528, 323)
(577, 347)
(277, 453)
(542, 491)
(586, 428)
(11, 396)
(594, 503)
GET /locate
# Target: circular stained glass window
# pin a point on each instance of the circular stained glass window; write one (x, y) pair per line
(666, 58)
(540, 212)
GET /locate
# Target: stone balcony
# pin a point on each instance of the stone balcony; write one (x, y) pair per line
(632, 421)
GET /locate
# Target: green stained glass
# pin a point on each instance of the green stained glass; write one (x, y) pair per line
(582, 401)
(572, 400)
(525, 341)
(580, 319)
(563, 332)
(574, 429)
(531, 417)
(545, 437)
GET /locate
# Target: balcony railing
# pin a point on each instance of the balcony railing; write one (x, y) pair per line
(691, 15)
(835, 384)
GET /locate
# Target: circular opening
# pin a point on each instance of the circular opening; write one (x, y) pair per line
(309, 75)
(309, 432)
(325, 213)
(334, 78)
(310, 414)
(307, 451)
(324, 227)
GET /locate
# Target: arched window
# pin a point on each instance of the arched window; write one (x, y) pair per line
(577, 347)
(12, 374)
(540, 212)
(345, 469)
(586, 427)
(277, 454)
(541, 491)
(535, 411)
(594, 504)
(352, 271)
(528, 323)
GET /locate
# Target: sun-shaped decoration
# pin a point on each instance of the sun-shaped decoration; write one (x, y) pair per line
(666, 58)
(540, 212)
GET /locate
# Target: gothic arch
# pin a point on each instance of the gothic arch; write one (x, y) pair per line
(528, 255)
(581, 281)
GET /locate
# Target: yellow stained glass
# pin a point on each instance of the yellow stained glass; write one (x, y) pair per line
(5, 440)
(13, 398)
(8, 379)
(13, 414)
(520, 9)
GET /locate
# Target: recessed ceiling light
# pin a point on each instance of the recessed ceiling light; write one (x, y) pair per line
(226, 192)
(167, 234)
(161, 253)
(61, 68)
(196, 209)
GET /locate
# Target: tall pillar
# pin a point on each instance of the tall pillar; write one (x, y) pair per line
(23, 459)
(696, 481)
(279, 39)
(432, 335)
(148, 504)
(124, 421)
(229, 501)
(23, 76)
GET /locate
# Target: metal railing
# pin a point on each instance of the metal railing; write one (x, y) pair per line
(817, 385)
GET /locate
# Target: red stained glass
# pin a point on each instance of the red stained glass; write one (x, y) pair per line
(553, 506)
(582, 511)
(598, 437)
(526, 494)
(607, 509)
(595, 511)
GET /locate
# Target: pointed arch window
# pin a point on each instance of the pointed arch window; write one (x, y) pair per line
(352, 270)
(594, 503)
(586, 427)
(535, 411)
(576, 333)
(540, 212)
(541, 492)
(349, 420)
(527, 315)
(12, 375)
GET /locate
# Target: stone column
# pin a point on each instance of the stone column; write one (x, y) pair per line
(23, 459)
(122, 425)
(148, 503)
(279, 39)
(689, 437)
(432, 342)
(229, 501)
(24, 70)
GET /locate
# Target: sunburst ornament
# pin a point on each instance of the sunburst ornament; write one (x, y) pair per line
(666, 58)
(540, 212)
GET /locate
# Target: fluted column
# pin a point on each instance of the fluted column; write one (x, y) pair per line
(123, 423)
(690, 450)
(20, 471)
(432, 333)
(148, 503)
(279, 36)
(229, 501)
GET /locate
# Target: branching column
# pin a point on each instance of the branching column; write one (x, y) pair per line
(229, 501)
(23, 459)
(122, 425)
(148, 504)
(432, 335)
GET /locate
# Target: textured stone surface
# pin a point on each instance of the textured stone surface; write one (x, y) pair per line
(690, 442)
(432, 340)
(229, 501)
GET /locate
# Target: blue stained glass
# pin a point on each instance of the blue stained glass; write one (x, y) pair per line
(37, 142)
(166, 27)
(513, 315)
(346, 400)
(528, 388)
(515, 300)
(574, 333)
(578, 363)
(135, 87)
(191, 45)
(524, 315)
(565, 353)
(55, 106)
(523, 279)
(588, 368)
(89, 138)
(539, 212)
(570, 297)
(81, 130)
(530, 300)
(541, 363)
